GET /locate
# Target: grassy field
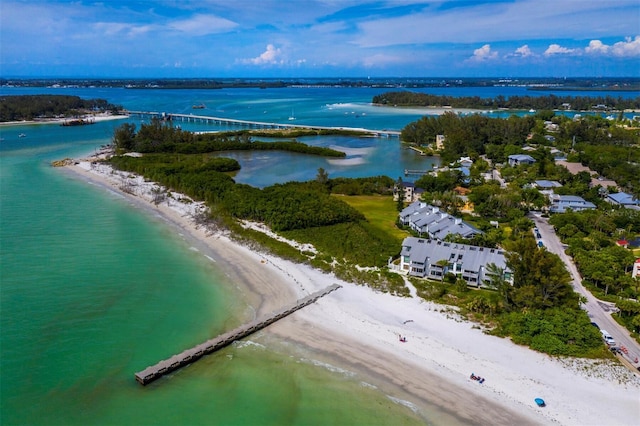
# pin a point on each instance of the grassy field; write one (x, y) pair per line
(379, 210)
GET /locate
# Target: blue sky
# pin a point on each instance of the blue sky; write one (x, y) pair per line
(319, 38)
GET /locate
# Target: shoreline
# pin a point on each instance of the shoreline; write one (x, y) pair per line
(358, 328)
(94, 119)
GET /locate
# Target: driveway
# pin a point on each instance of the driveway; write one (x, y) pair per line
(599, 311)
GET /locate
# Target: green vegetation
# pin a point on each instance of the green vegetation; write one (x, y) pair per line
(606, 146)
(380, 212)
(29, 107)
(355, 239)
(579, 103)
(161, 136)
(604, 266)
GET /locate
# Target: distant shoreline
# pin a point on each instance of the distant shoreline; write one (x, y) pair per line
(93, 117)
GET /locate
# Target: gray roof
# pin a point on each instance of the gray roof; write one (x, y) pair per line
(471, 257)
(426, 218)
(547, 184)
(522, 157)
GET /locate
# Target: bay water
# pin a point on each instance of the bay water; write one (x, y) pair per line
(94, 288)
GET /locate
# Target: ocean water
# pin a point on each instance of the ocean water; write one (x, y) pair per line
(94, 288)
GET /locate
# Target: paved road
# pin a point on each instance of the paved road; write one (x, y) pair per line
(599, 311)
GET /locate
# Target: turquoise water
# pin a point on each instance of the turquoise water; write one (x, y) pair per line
(94, 289)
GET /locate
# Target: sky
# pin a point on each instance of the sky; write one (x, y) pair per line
(319, 38)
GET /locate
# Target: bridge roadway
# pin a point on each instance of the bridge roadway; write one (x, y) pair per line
(158, 370)
(255, 124)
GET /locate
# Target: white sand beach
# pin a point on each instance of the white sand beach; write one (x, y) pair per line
(358, 329)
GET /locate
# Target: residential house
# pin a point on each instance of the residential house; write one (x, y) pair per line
(623, 199)
(409, 192)
(636, 269)
(546, 184)
(430, 221)
(518, 159)
(427, 258)
(562, 203)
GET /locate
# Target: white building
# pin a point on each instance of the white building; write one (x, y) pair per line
(562, 203)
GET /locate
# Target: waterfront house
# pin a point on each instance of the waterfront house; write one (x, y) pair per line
(432, 259)
(518, 159)
(562, 203)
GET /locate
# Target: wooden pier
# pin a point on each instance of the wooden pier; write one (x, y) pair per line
(154, 372)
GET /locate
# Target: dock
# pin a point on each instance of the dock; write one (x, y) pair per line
(408, 172)
(189, 356)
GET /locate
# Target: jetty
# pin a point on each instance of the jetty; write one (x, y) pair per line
(189, 356)
(191, 118)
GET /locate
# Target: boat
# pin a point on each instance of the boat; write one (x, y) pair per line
(22, 135)
(200, 106)
(540, 402)
(292, 117)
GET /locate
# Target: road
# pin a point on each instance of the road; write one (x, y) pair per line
(598, 311)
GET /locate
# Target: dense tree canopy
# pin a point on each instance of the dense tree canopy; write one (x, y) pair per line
(550, 102)
(29, 107)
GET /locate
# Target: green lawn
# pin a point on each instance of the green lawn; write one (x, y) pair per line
(379, 210)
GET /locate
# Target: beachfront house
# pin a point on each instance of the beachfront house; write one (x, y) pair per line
(562, 203)
(518, 159)
(427, 220)
(432, 259)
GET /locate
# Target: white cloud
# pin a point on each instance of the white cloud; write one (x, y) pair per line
(596, 46)
(483, 53)
(523, 51)
(628, 47)
(200, 25)
(556, 49)
(269, 57)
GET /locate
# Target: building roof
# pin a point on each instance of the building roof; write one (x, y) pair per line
(472, 257)
(624, 199)
(521, 157)
(547, 184)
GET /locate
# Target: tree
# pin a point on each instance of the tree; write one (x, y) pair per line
(498, 282)
(400, 192)
(124, 137)
(322, 177)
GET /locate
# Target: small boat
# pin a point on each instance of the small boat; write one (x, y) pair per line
(200, 106)
(540, 402)
(22, 135)
(292, 117)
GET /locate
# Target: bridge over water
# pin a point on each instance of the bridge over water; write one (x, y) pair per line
(191, 118)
